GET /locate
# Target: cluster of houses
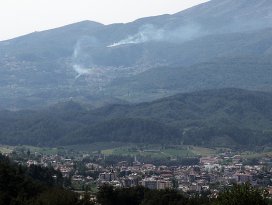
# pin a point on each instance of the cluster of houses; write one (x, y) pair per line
(210, 174)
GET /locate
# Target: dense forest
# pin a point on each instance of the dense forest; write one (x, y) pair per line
(215, 117)
(237, 195)
(33, 186)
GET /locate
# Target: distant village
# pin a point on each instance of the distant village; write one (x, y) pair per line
(210, 175)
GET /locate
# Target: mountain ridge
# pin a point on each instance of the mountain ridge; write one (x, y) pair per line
(83, 61)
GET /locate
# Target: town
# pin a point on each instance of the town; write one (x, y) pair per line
(210, 174)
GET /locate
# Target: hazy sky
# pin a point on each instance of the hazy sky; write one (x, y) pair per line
(18, 17)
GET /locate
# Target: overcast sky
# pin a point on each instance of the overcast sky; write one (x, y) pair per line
(18, 17)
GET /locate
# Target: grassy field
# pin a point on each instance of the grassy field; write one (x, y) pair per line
(99, 146)
(252, 155)
(160, 152)
(42, 150)
(202, 151)
(6, 149)
(130, 149)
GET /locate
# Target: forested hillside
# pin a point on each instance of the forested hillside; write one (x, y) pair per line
(212, 117)
(33, 186)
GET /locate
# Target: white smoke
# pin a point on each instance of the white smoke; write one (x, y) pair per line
(146, 33)
(84, 65)
(150, 33)
(81, 71)
(80, 56)
(76, 51)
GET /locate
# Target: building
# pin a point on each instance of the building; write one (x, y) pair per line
(156, 183)
(241, 178)
(130, 181)
(149, 183)
(107, 176)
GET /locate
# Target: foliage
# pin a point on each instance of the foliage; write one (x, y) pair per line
(57, 197)
(107, 195)
(237, 195)
(32, 186)
(223, 117)
(241, 195)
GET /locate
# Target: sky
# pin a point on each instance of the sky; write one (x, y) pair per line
(19, 17)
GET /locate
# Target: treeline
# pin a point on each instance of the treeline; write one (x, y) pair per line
(226, 117)
(34, 186)
(237, 195)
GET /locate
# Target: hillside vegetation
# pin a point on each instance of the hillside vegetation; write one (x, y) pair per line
(212, 117)
(33, 185)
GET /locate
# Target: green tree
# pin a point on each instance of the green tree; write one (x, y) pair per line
(241, 195)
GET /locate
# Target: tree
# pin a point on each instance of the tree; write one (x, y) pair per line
(241, 195)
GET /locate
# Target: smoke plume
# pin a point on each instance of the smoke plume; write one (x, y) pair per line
(80, 56)
(81, 71)
(151, 33)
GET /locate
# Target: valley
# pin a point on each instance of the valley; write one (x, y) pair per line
(173, 109)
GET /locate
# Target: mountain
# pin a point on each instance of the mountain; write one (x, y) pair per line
(92, 62)
(231, 16)
(224, 117)
(246, 73)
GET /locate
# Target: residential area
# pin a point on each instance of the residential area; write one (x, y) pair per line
(210, 175)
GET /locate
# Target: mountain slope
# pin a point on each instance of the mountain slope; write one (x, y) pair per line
(247, 73)
(231, 15)
(213, 117)
(84, 61)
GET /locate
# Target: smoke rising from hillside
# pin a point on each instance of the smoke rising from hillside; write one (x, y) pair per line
(83, 62)
(151, 33)
(79, 56)
(81, 71)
